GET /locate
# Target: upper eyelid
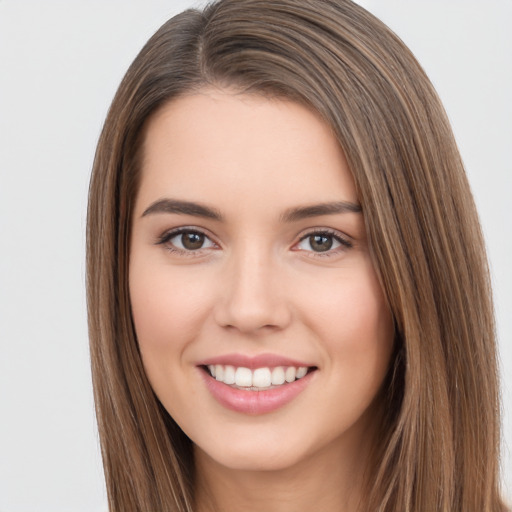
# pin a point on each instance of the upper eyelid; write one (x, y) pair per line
(166, 236)
(325, 231)
(170, 233)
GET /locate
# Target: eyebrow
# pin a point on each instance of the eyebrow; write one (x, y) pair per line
(290, 215)
(316, 210)
(183, 208)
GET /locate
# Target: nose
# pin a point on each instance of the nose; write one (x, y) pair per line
(253, 295)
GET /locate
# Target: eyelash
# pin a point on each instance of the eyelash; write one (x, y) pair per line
(345, 244)
(169, 235)
(165, 238)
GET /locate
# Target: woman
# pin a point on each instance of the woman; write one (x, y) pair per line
(287, 283)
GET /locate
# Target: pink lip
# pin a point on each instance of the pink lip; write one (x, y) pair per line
(253, 362)
(255, 402)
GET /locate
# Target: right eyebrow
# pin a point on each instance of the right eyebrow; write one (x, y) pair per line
(182, 208)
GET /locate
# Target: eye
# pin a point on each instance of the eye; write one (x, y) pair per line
(322, 242)
(191, 241)
(186, 240)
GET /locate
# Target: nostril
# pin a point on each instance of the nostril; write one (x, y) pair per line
(252, 305)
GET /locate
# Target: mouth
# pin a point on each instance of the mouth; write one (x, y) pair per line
(256, 385)
(257, 379)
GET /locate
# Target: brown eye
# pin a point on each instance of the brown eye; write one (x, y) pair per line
(192, 241)
(320, 243)
(323, 242)
(186, 240)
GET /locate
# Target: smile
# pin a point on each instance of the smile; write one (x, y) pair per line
(258, 379)
(255, 385)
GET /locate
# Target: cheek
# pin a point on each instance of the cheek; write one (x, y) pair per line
(167, 308)
(353, 322)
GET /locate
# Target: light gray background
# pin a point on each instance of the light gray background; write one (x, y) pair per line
(60, 63)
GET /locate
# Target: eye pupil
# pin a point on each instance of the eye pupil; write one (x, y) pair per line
(192, 241)
(320, 243)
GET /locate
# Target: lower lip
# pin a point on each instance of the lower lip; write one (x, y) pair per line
(255, 402)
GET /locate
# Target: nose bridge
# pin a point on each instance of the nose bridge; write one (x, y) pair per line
(252, 297)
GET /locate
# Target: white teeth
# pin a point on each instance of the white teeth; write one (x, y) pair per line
(229, 374)
(290, 374)
(301, 372)
(278, 376)
(262, 378)
(243, 377)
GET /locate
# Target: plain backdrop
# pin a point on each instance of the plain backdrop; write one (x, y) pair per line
(60, 64)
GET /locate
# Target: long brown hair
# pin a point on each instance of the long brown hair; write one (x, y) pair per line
(440, 435)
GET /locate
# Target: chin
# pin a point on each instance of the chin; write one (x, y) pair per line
(253, 458)
(250, 450)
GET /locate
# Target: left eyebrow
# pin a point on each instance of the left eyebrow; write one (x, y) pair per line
(316, 210)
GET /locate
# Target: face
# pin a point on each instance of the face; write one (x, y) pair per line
(261, 323)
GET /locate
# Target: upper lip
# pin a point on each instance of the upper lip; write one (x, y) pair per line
(253, 362)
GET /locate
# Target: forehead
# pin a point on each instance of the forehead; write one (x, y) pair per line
(215, 146)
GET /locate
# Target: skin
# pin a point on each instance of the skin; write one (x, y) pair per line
(258, 285)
